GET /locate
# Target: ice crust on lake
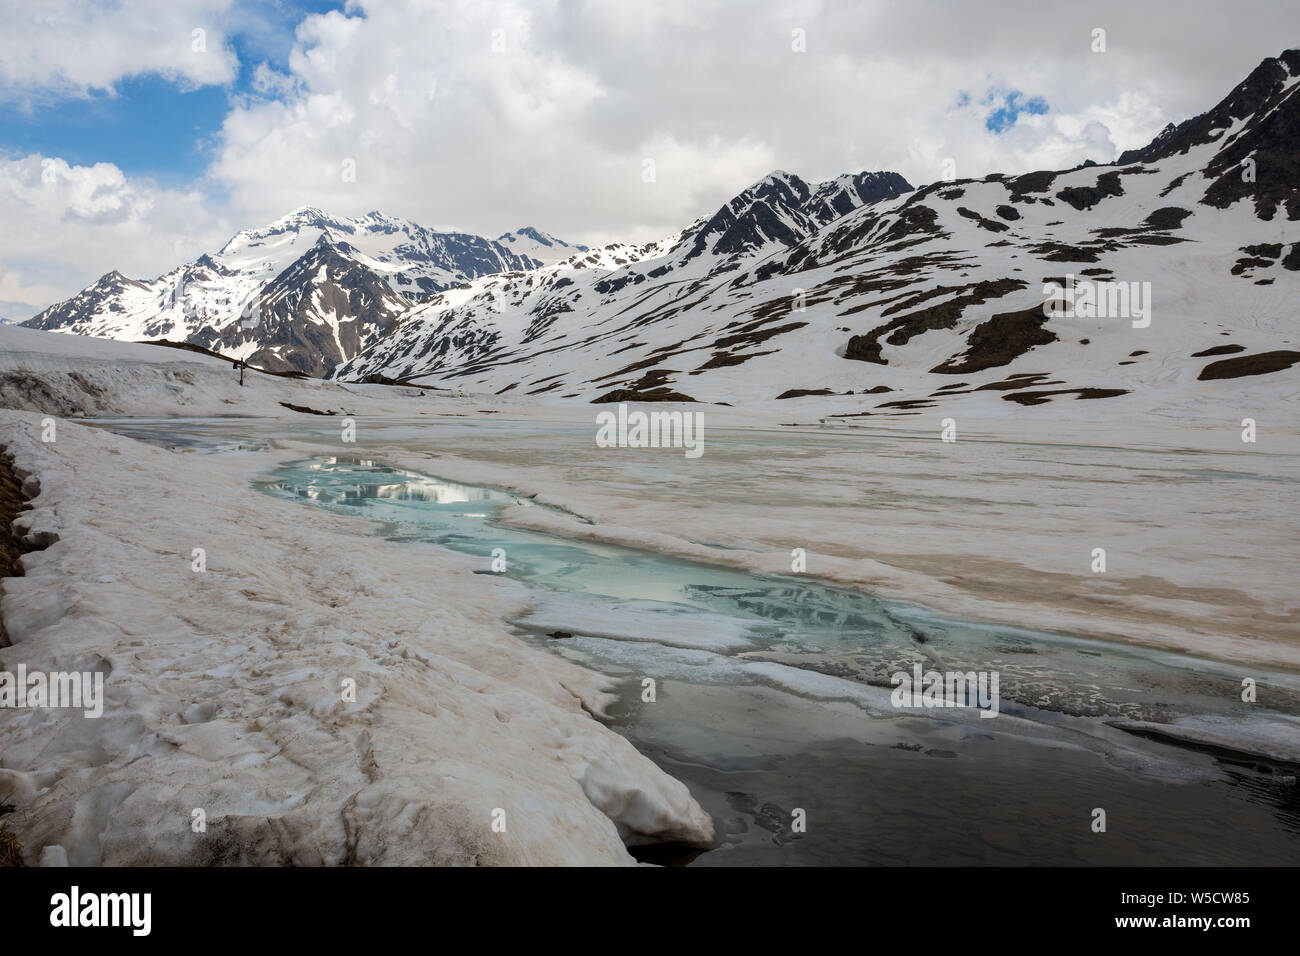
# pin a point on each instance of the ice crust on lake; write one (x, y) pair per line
(630, 620)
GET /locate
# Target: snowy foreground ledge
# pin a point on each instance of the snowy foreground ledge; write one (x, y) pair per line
(223, 689)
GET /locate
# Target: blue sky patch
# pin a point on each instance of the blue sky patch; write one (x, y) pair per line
(150, 126)
(1008, 107)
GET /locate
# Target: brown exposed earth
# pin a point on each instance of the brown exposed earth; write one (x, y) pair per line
(12, 548)
(12, 501)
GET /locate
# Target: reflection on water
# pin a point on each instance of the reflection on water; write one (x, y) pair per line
(397, 486)
(728, 647)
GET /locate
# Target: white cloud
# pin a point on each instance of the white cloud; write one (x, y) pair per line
(492, 115)
(61, 48)
(487, 115)
(68, 225)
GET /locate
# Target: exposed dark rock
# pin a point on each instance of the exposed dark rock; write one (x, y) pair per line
(1167, 217)
(1038, 182)
(801, 392)
(11, 851)
(323, 278)
(1000, 341)
(1157, 240)
(374, 378)
(662, 394)
(1261, 363)
(1021, 380)
(753, 334)
(1060, 252)
(304, 409)
(913, 221)
(1260, 256)
(983, 223)
(1085, 197)
(1271, 138)
(946, 315)
(908, 403)
(1041, 398)
(12, 501)
(15, 493)
(725, 359)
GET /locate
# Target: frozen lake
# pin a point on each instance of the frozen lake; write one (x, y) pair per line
(772, 690)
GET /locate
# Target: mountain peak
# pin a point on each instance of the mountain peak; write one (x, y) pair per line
(778, 179)
(311, 271)
(305, 213)
(1263, 114)
(540, 246)
(530, 233)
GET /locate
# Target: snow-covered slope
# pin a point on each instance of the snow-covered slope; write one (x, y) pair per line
(907, 299)
(306, 292)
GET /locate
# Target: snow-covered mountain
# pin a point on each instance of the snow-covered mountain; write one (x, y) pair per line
(879, 298)
(306, 292)
(901, 299)
(571, 314)
(538, 245)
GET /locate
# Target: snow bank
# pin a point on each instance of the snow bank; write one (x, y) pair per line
(79, 376)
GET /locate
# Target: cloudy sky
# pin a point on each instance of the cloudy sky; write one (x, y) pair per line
(137, 134)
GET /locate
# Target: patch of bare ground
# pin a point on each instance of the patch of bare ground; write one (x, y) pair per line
(1019, 380)
(946, 315)
(12, 501)
(651, 387)
(1042, 397)
(1000, 341)
(801, 392)
(726, 359)
(11, 851)
(305, 410)
(632, 395)
(1219, 350)
(1261, 363)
